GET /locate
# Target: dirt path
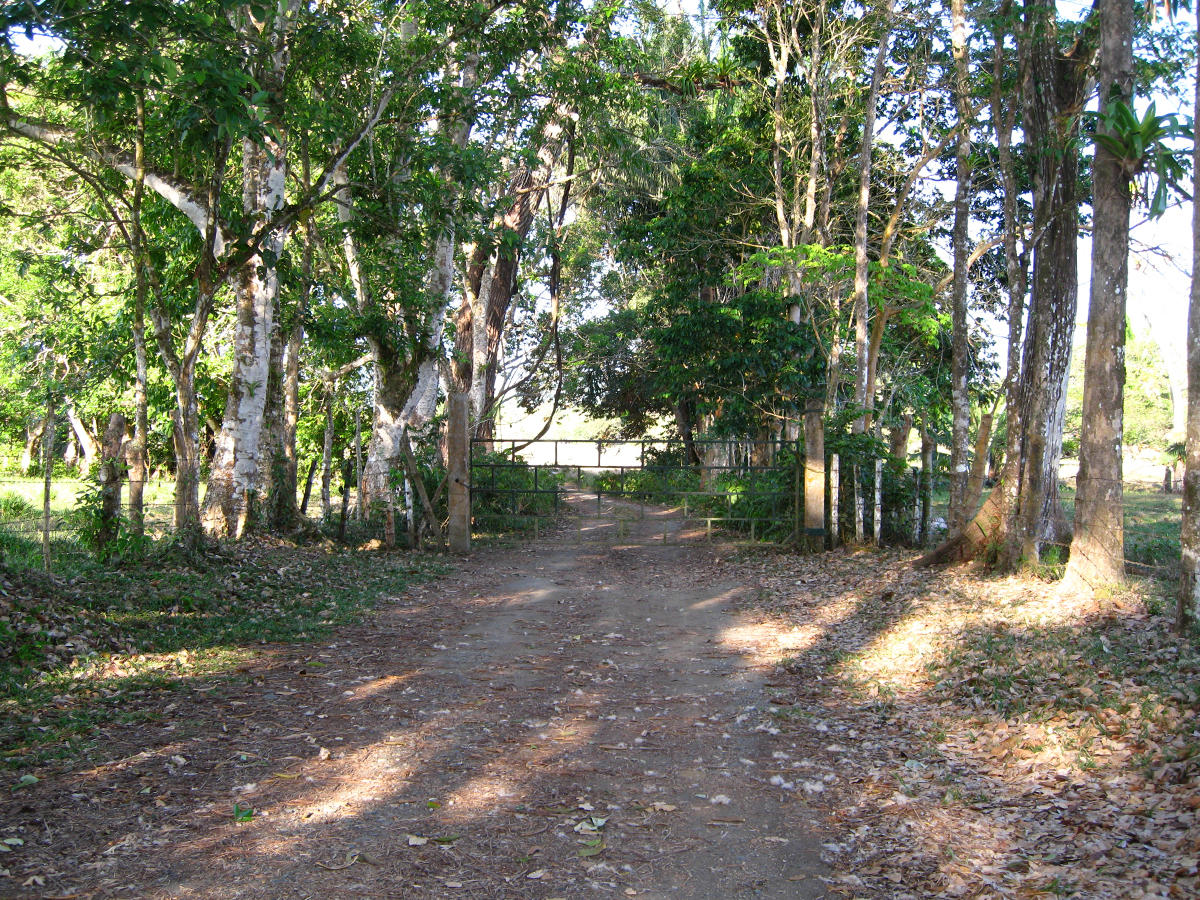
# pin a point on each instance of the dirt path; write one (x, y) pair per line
(559, 719)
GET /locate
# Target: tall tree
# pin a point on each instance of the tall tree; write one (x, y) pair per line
(1098, 544)
(960, 358)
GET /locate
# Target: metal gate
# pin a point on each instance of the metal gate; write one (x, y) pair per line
(610, 489)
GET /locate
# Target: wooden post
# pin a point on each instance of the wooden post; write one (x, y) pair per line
(814, 475)
(458, 467)
(877, 522)
(835, 487)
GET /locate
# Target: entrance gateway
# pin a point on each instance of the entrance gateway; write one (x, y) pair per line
(598, 488)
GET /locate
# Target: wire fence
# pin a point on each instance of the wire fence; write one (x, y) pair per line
(1152, 516)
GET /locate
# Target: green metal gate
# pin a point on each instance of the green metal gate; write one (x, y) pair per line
(608, 489)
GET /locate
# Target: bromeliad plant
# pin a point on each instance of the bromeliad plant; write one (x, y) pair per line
(1143, 147)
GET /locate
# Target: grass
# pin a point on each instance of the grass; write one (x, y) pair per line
(1151, 523)
(86, 647)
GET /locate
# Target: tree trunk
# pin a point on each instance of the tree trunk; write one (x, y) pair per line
(136, 450)
(33, 434)
(1187, 609)
(237, 479)
(327, 458)
(110, 486)
(406, 383)
(236, 476)
(1024, 509)
(1098, 547)
(979, 466)
(898, 438)
(861, 263)
(491, 278)
(89, 447)
(308, 482)
(928, 450)
(960, 401)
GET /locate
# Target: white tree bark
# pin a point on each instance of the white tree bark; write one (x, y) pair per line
(236, 473)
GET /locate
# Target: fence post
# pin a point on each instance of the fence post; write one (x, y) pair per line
(458, 462)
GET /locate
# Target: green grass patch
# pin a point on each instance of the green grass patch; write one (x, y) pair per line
(75, 648)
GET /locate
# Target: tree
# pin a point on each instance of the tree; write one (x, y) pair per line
(1098, 544)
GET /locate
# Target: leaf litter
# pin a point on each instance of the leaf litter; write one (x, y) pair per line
(993, 738)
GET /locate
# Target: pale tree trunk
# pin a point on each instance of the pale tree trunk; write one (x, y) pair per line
(960, 401)
(861, 263)
(979, 465)
(236, 477)
(1187, 610)
(286, 512)
(33, 434)
(492, 278)
(1098, 546)
(137, 448)
(406, 379)
(89, 447)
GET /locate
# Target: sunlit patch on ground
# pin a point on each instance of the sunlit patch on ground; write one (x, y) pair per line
(1003, 740)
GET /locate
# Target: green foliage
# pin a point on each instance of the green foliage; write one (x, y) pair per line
(1142, 147)
(14, 507)
(508, 494)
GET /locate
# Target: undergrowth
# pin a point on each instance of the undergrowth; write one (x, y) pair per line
(75, 647)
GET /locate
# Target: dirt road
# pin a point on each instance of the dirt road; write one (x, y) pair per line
(558, 719)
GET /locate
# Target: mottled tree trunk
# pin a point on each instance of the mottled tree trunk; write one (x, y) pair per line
(236, 478)
(136, 450)
(1098, 546)
(407, 379)
(979, 465)
(1024, 509)
(110, 485)
(491, 280)
(862, 339)
(960, 401)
